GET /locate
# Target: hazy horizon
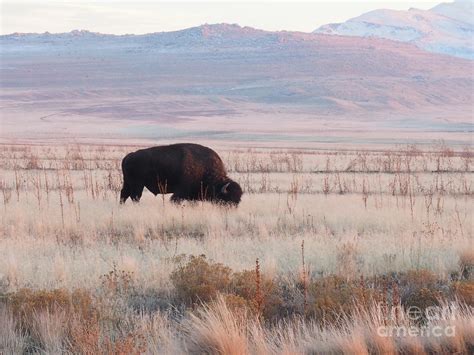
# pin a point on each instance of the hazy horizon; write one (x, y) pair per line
(126, 17)
(243, 85)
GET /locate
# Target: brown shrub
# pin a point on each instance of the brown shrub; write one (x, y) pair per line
(25, 302)
(200, 280)
(419, 278)
(334, 296)
(419, 300)
(464, 290)
(74, 309)
(466, 264)
(244, 284)
(84, 335)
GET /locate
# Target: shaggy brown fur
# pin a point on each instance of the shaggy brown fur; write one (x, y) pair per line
(189, 171)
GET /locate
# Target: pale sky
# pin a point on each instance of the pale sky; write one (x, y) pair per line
(127, 16)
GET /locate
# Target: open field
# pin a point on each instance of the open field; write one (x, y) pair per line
(326, 247)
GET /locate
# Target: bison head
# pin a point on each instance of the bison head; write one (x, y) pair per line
(229, 192)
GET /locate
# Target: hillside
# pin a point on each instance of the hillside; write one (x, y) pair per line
(226, 81)
(446, 28)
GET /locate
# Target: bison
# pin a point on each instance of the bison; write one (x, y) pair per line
(189, 171)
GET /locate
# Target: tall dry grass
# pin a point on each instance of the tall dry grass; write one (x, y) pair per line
(216, 329)
(327, 228)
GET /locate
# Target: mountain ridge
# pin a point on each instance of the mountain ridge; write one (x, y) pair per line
(222, 34)
(447, 28)
(205, 28)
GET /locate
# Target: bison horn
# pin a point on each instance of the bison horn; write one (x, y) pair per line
(224, 188)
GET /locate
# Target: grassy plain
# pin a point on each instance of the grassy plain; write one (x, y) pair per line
(326, 247)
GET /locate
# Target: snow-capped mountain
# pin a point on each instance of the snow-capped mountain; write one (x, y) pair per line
(446, 28)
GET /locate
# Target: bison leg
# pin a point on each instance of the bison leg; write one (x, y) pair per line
(131, 189)
(125, 193)
(136, 192)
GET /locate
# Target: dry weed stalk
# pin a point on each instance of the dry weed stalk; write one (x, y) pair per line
(6, 191)
(61, 204)
(163, 188)
(17, 183)
(258, 289)
(304, 280)
(365, 192)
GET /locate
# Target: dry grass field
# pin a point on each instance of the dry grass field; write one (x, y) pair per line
(328, 252)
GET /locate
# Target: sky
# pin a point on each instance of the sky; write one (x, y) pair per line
(142, 16)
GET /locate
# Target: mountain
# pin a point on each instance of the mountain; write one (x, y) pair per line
(227, 81)
(188, 37)
(446, 28)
